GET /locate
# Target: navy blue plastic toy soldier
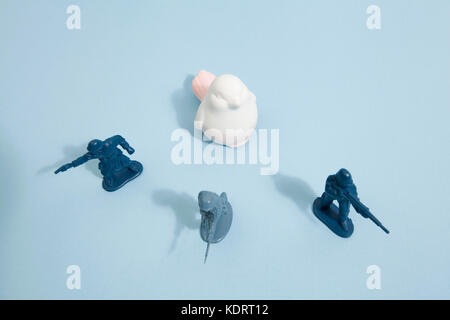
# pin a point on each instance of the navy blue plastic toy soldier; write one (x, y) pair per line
(116, 168)
(217, 215)
(340, 187)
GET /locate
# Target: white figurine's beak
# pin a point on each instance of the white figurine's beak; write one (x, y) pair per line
(235, 103)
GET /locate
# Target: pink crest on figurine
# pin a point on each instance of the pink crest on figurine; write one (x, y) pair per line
(201, 83)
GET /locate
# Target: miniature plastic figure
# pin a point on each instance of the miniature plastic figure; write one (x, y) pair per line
(116, 168)
(227, 114)
(217, 215)
(340, 187)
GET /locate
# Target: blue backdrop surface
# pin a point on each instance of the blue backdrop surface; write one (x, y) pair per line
(374, 101)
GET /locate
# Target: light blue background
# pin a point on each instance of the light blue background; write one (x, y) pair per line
(375, 102)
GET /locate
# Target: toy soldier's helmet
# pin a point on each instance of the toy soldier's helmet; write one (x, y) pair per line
(207, 200)
(344, 178)
(95, 145)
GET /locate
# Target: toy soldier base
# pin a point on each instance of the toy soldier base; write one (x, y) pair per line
(223, 225)
(329, 217)
(122, 176)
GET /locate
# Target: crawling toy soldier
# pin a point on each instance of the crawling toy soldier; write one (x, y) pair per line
(116, 168)
(217, 215)
(340, 187)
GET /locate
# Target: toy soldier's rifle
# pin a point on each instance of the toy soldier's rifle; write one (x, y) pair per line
(75, 163)
(363, 210)
(210, 231)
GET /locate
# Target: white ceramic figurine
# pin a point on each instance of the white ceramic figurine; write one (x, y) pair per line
(227, 114)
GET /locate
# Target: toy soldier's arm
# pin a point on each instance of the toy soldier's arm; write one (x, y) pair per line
(75, 163)
(123, 143)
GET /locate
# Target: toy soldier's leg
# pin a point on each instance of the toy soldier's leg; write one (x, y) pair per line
(109, 180)
(134, 166)
(127, 163)
(123, 162)
(325, 201)
(344, 209)
(107, 175)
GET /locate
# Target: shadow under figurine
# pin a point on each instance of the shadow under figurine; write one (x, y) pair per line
(340, 187)
(116, 168)
(217, 216)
